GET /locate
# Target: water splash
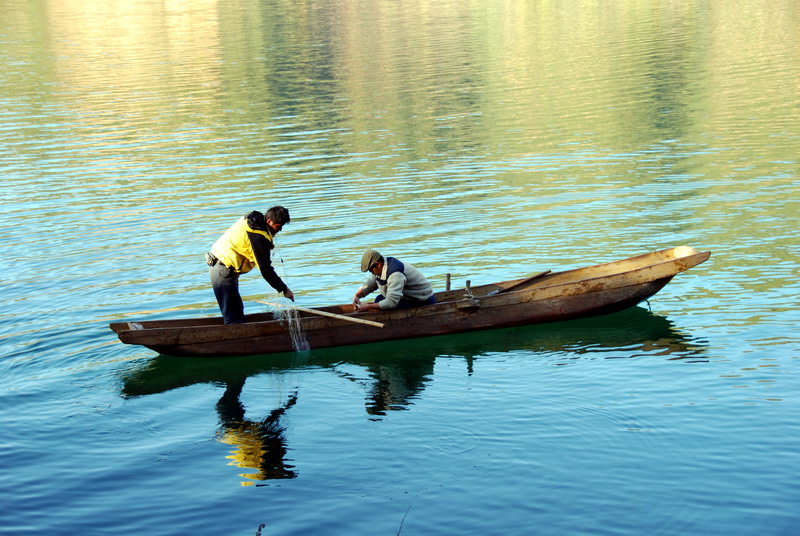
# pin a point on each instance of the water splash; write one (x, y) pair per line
(290, 317)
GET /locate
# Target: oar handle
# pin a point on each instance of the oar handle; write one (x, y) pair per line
(324, 313)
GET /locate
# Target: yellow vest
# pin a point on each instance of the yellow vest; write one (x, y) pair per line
(233, 249)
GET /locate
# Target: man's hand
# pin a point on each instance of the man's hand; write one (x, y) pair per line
(288, 294)
(370, 307)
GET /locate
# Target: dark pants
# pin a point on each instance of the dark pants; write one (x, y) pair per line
(408, 303)
(225, 283)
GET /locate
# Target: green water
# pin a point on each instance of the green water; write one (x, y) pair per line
(488, 140)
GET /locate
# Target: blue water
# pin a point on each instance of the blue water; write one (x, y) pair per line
(482, 140)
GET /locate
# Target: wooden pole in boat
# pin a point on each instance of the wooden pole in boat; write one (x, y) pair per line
(324, 313)
(526, 280)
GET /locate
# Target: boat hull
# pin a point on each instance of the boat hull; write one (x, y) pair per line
(572, 294)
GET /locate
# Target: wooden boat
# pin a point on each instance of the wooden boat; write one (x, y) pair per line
(543, 297)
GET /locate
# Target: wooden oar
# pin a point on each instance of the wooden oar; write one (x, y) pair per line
(524, 281)
(325, 313)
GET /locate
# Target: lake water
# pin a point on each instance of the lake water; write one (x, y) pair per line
(489, 140)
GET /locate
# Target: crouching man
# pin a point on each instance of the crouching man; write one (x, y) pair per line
(401, 285)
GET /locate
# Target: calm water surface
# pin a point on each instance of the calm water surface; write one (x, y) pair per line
(487, 140)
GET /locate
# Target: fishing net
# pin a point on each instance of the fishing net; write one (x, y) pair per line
(290, 317)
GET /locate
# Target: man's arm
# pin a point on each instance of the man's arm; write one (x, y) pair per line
(364, 290)
(395, 284)
(261, 249)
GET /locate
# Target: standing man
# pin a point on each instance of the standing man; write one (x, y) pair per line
(245, 245)
(402, 285)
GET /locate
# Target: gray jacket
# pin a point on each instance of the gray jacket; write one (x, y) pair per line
(398, 280)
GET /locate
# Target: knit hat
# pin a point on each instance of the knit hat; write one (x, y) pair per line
(369, 258)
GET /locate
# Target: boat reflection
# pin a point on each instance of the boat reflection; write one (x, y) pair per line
(395, 374)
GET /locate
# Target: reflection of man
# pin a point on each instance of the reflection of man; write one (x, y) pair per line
(260, 445)
(397, 382)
